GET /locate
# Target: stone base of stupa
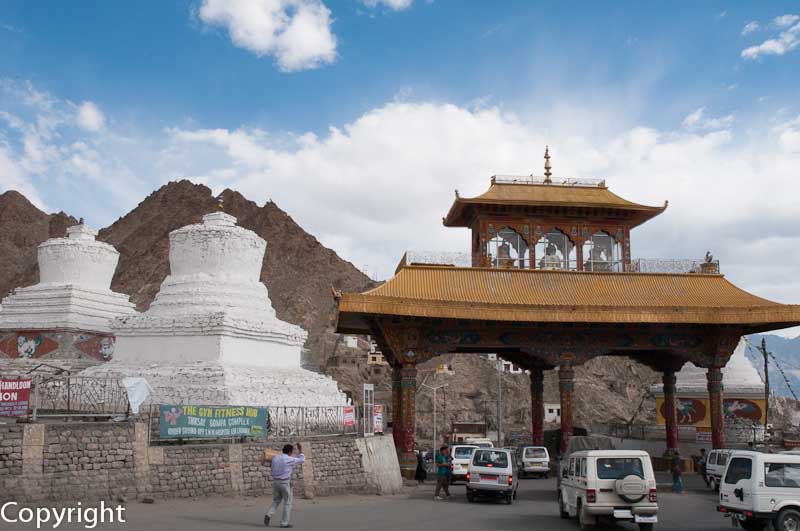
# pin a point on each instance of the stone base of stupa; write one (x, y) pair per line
(210, 383)
(211, 348)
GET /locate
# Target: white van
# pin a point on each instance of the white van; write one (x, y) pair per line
(715, 467)
(480, 442)
(462, 455)
(492, 472)
(533, 461)
(761, 488)
(613, 484)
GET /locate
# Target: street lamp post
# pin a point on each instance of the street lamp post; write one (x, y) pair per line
(434, 389)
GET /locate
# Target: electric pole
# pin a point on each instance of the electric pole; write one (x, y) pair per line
(766, 382)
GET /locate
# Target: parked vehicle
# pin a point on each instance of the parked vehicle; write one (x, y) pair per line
(576, 444)
(533, 461)
(715, 467)
(462, 455)
(480, 442)
(616, 485)
(760, 488)
(492, 473)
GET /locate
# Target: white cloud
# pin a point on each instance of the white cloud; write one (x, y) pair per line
(785, 42)
(784, 21)
(697, 120)
(397, 5)
(296, 32)
(90, 117)
(750, 27)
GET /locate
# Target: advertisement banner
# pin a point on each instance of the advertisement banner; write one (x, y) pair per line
(15, 397)
(349, 416)
(212, 421)
(377, 418)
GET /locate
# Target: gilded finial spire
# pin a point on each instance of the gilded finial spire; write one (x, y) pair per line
(547, 173)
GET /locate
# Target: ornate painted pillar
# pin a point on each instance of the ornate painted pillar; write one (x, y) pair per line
(537, 406)
(566, 385)
(397, 407)
(714, 377)
(670, 411)
(404, 440)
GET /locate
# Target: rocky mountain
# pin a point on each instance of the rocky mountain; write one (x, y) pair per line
(22, 228)
(784, 364)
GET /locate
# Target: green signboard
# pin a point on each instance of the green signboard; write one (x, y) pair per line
(212, 421)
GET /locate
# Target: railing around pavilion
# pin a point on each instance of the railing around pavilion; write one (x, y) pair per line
(673, 265)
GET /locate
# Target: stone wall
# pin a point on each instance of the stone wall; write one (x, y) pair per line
(10, 452)
(113, 461)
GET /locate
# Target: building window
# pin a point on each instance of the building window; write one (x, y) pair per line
(555, 250)
(508, 249)
(602, 252)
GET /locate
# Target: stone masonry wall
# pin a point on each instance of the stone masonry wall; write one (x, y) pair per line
(10, 456)
(338, 468)
(113, 461)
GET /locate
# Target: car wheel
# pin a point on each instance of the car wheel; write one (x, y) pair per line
(562, 512)
(646, 526)
(514, 495)
(509, 499)
(712, 484)
(788, 520)
(546, 476)
(470, 497)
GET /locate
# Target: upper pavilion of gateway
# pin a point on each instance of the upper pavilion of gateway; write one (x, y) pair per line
(550, 284)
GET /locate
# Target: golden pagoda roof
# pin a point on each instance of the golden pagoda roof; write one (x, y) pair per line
(570, 194)
(529, 295)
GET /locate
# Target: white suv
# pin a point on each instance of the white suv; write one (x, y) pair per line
(613, 484)
(715, 467)
(761, 488)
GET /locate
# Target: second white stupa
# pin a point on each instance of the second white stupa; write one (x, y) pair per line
(211, 335)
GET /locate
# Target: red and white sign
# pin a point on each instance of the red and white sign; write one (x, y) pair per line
(377, 418)
(15, 397)
(349, 416)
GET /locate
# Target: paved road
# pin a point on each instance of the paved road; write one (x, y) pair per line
(415, 510)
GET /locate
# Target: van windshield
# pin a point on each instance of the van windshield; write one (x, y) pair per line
(619, 467)
(463, 452)
(536, 453)
(490, 458)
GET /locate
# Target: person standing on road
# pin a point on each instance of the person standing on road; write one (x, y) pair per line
(444, 469)
(420, 474)
(702, 464)
(282, 465)
(677, 473)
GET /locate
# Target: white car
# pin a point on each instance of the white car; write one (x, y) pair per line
(616, 485)
(533, 461)
(462, 455)
(492, 473)
(760, 488)
(715, 467)
(480, 442)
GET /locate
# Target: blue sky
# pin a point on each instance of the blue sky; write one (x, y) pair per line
(360, 117)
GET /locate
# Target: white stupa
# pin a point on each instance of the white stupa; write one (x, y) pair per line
(68, 313)
(739, 378)
(211, 335)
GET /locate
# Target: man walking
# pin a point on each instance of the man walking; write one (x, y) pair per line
(702, 464)
(282, 465)
(443, 472)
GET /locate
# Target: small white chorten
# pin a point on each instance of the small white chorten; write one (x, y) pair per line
(67, 314)
(211, 335)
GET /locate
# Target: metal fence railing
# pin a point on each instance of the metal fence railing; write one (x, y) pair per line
(672, 265)
(77, 396)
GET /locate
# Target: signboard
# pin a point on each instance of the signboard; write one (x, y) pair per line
(15, 397)
(377, 418)
(212, 421)
(702, 437)
(349, 416)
